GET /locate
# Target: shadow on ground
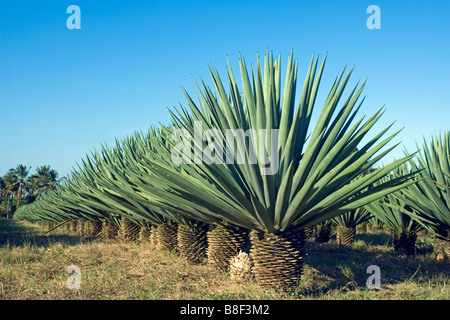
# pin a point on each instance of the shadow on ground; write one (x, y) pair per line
(14, 233)
(345, 268)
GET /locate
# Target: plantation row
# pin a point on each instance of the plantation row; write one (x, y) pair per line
(324, 176)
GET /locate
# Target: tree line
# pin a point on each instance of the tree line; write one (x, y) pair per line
(18, 187)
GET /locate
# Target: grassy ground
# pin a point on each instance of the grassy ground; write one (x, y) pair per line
(33, 266)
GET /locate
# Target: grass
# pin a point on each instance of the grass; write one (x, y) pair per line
(33, 266)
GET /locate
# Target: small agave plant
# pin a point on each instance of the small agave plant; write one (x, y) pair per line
(346, 225)
(392, 212)
(347, 222)
(314, 178)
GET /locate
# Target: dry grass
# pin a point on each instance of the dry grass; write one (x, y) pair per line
(33, 266)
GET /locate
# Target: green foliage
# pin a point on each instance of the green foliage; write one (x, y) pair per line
(391, 210)
(428, 201)
(17, 185)
(314, 180)
(352, 218)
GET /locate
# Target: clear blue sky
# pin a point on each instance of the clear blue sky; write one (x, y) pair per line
(64, 92)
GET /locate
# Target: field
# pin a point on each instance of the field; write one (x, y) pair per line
(33, 266)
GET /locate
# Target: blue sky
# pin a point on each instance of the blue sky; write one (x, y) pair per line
(65, 92)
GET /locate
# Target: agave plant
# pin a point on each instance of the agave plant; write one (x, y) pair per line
(191, 233)
(393, 213)
(346, 225)
(313, 180)
(373, 223)
(179, 232)
(58, 205)
(322, 231)
(101, 187)
(428, 201)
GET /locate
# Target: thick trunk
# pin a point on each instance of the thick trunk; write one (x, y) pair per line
(224, 243)
(74, 226)
(81, 228)
(66, 226)
(404, 242)
(441, 247)
(166, 236)
(129, 231)
(49, 225)
(144, 234)
(278, 259)
(110, 230)
(192, 243)
(309, 232)
(95, 227)
(345, 235)
(323, 233)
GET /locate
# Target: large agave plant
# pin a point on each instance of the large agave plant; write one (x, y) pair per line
(312, 180)
(428, 201)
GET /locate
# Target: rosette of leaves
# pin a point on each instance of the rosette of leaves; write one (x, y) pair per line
(347, 222)
(346, 225)
(428, 201)
(313, 180)
(393, 213)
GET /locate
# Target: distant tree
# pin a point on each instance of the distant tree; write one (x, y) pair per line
(2, 189)
(17, 183)
(21, 172)
(10, 180)
(43, 180)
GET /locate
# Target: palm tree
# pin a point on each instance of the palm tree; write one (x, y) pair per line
(43, 180)
(21, 172)
(10, 180)
(52, 179)
(2, 188)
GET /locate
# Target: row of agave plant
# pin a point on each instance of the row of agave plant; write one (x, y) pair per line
(327, 172)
